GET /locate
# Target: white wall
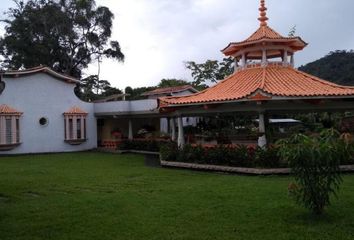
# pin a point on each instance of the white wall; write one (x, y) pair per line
(40, 95)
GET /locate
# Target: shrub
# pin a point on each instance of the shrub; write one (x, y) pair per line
(169, 151)
(225, 155)
(268, 158)
(314, 161)
(142, 145)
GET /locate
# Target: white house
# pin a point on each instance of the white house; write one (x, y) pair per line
(40, 113)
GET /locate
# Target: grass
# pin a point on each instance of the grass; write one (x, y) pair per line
(104, 196)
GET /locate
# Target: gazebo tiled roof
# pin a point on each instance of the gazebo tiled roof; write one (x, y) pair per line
(267, 79)
(265, 34)
(272, 81)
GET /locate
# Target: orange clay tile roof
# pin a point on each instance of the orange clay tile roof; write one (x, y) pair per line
(4, 109)
(265, 33)
(43, 69)
(75, 111)
(272, 80)
(168, 90)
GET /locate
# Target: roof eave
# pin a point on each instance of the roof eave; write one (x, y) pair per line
(47, 70)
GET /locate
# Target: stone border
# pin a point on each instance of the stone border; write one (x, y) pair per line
(239, 170)
(138, 152)
(226, 169)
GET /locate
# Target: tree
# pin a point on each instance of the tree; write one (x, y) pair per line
(337, 67)
(315, 161)
(172, 83)
(92, 88)
(65, 35)
(210, 71)
(135, 93)
(292, 31)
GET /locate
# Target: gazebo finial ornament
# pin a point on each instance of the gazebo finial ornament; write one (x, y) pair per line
(263, 14)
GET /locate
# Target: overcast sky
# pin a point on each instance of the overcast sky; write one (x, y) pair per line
(158, 36)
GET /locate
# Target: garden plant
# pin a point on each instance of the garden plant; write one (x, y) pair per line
(315, 162)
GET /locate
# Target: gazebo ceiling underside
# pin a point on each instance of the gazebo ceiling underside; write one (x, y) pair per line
(263, 83)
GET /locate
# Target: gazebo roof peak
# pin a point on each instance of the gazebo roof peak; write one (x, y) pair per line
(264, 37)
(263, 14)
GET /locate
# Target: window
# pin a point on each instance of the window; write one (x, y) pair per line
(75, 126)
(43, 121)
(9, 127)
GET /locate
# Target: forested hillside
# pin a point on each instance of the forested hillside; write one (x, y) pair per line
(337, 67)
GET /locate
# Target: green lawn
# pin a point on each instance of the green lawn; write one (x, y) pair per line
(105, 196)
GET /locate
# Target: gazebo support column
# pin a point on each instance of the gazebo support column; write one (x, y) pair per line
(262, 140)
(292, 60)
(264, 58)
(180, 141)
(130, 130)
(173, 129)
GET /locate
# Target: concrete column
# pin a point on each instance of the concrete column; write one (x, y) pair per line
(67, 128)
(173, 129)
(292, 60)
(13, 129)
(2, 130)
(82, 125)
(285, 58)
(264, 57)
(262, 140)
(74, 127)
(130, 130)
(180, 141)
(243, 61)
(236, 65)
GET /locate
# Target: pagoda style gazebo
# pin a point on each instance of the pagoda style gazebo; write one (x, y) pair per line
(264, 81)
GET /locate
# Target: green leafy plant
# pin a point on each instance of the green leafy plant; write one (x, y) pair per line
(268, 158)
(315, 161)
(142, 145)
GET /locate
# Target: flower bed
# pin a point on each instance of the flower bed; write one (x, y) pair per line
(224, 155)
(227, 155)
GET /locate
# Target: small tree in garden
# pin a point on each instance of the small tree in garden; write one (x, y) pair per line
(315, 161)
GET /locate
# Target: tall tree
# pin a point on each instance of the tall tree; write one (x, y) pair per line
(66, 35)
(172, 83)
(210, 71)
(92, 88)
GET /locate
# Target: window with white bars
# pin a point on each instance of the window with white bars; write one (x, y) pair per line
(75, 127)
(9, 129)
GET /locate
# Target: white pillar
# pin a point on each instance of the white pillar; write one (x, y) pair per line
(130, 130)
(13, 129)
(82, 130)
(180, 141)
(2, 130)
(236, 65)
(243, 61)
(292, 60)
(262, 140)
(67, 128)
(173, 129)
(74, 127)
(264, 57)
(285, 58)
